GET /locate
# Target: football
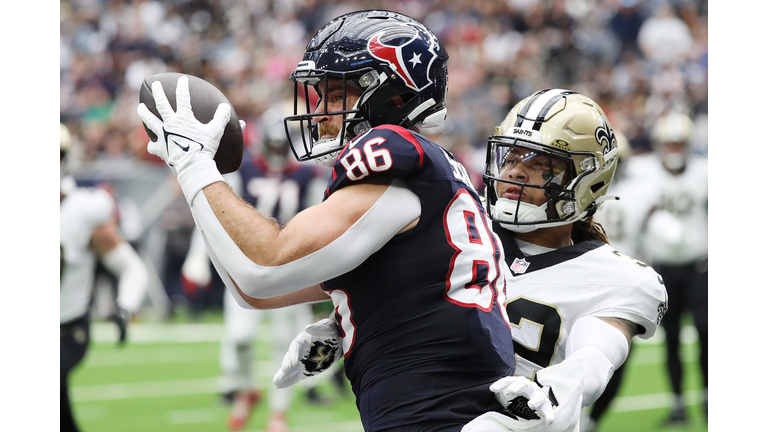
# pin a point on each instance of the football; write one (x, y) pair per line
(205, 98)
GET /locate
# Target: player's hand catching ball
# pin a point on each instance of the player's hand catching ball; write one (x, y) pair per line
(181, 137)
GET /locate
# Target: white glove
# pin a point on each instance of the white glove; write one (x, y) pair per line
(312, 352)
(180, 136)
(513, 392)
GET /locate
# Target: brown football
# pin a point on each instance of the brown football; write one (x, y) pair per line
(205, 98)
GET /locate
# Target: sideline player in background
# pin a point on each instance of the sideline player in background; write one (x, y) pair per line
(276, 186)
(400, 243)
(675, 241)
(89, 232)
(574, 302)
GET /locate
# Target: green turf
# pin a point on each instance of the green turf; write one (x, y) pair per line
(170, 386)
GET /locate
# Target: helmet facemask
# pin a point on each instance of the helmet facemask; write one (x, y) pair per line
(308, 81)
(518, 172)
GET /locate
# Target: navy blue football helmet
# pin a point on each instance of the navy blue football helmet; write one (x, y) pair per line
(383, 54)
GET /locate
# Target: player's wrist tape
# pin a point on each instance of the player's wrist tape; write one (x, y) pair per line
(199, 173)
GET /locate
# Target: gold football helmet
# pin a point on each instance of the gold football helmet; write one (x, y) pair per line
(550, 161)
(670, 137)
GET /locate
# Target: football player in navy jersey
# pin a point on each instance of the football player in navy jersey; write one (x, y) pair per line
(574, 303)
(401, 242)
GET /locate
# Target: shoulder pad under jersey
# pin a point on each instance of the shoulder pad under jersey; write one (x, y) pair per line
(385, 151)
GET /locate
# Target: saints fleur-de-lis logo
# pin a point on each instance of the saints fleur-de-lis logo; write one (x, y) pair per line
(606, 137)
(321, 355)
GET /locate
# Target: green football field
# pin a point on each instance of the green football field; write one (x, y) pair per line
(165, 379)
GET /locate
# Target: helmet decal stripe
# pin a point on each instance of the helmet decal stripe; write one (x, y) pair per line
(524, 112)
(539, 106)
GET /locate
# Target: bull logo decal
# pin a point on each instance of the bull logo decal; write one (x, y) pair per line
(410, 60)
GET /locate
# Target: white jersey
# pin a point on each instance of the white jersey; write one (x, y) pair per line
(551, 291)
(81, 212)
(623, 218)
(676, 232)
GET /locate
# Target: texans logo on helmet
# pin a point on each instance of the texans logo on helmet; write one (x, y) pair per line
(411, 60)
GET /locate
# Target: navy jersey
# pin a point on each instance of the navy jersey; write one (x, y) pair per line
(424, 329)
(280, 194)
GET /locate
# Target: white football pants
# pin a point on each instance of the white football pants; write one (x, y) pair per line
(241, 327)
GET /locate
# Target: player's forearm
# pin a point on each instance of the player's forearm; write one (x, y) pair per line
(252, 233)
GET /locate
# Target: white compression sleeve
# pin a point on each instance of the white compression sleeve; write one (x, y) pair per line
(396, 208)
(603, 348)
(132, 274)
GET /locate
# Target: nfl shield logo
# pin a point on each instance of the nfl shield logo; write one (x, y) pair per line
(519, 265)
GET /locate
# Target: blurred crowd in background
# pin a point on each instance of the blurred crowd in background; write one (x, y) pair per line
(637, 58)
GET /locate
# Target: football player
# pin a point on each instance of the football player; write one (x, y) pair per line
(675, 240)
(400, 243)
(89, 232)
(573, 301)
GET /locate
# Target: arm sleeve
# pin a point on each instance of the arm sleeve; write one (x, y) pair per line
(396, 208)
(602, 347)
(132, 274)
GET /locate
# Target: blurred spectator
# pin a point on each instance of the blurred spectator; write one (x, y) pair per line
(665, 38)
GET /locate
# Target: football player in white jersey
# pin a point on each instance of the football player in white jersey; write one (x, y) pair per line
(675, 240)
(89, 232)
(573, 301)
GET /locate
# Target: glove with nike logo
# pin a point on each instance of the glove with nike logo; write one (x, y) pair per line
(312, 352)
(185, 144)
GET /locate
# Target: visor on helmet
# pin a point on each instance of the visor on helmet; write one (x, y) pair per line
(514, 170)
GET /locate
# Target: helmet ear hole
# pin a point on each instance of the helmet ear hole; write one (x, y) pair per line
(400, 100)
(597, 186)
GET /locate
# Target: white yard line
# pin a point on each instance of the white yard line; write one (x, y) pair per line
(159, 332)
(152, 389)
(652, 401)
